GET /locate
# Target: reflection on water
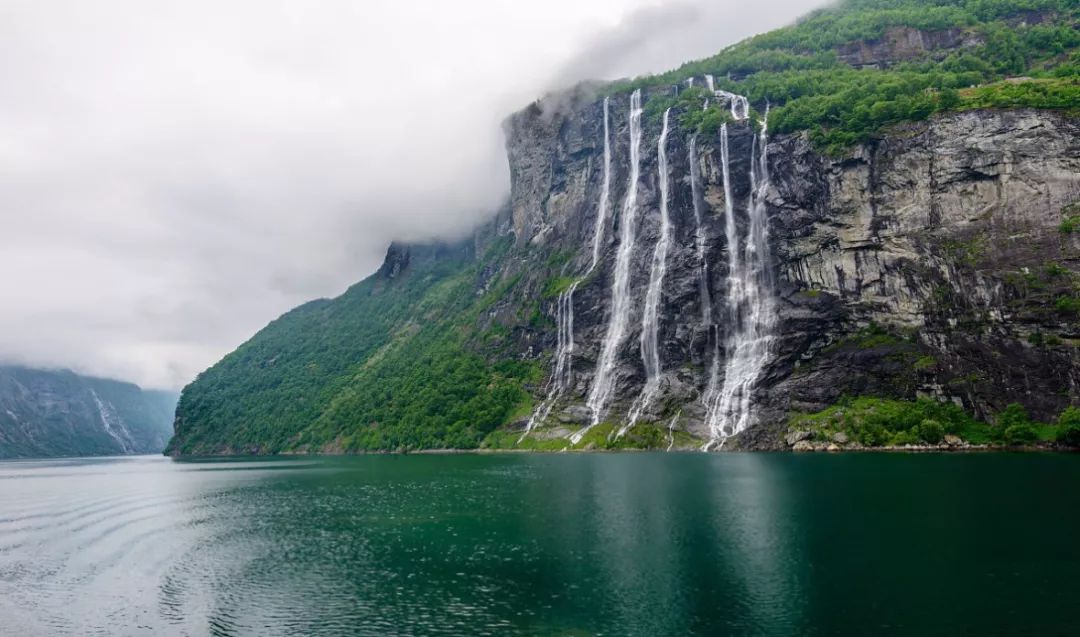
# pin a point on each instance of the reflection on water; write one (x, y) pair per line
(632, 544)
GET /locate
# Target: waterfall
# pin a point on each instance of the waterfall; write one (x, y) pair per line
(699, 234)
(749, 299)
(732, 238)
(711, 83)
(605, 193)
(650, 319)
(671, 431)
(740, 106)
(603, 383)
(564, 309)
(112, 423)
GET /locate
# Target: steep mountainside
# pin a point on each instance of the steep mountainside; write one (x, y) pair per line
(886, 225)
(58, 413)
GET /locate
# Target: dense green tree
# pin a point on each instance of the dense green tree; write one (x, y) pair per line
(1015, 62)
(1069, 427)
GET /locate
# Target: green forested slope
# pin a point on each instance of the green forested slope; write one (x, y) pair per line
(395, 362)
(810, 72)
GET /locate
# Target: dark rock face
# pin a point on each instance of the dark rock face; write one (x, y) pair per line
(899, 44)
(928, 263)
(58, 413)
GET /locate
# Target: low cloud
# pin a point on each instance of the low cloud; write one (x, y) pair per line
(175, 175)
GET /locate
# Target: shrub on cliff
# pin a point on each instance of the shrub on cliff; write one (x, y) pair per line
(1069, 427)
(1021, 434)
(931, 431)
(875, 422)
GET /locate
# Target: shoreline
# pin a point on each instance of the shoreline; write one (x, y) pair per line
(822, 449)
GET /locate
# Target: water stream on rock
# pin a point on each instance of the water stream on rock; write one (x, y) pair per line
(749, 299)
(112, 423)
(740, 106)
(564, 312)
(605, 193)
(699, 234)
(603, 383)
(650, 319)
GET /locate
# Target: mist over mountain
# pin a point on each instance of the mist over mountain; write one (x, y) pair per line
(173, 182)
(47, 413)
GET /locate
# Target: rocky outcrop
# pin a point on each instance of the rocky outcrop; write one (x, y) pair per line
(948, 234)
(900, 44)
(58, 413)
(926, 263)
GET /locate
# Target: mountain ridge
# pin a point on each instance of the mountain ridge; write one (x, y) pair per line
(49, 413)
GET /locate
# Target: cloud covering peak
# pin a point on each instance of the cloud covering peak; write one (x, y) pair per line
(174, 175)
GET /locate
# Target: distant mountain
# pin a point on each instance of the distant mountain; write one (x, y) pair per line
(59, 413)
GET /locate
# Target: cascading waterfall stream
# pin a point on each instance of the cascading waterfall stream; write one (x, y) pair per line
(603, 383)
(671, 431)
(732, 238)
(749, 299)
(605, 194)
(699, 234)
(740, 106)
(650, 319)
(564, 312)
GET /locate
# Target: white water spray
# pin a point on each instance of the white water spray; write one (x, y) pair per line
(699, 234)
(564, 312)
(751, 315)
(603, 383)
(112, 423)
(740, 106)
(732, 238)
(671, 431)
(605, 193)
(650, 319)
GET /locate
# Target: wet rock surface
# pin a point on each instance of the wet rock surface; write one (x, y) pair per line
(928, 263)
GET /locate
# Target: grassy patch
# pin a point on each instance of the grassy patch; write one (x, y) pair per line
(600, 438)
(876, 422)
(1067, 304)
(1071, 222)
(801, 69)
(557, 285)
(871, 336)
(506, 439)
(925, 362)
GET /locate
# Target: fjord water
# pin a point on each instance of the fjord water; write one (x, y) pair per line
(630, 544)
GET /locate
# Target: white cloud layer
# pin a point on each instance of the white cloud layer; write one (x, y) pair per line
(173, 175)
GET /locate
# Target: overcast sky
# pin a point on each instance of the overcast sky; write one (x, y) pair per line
(174, 175)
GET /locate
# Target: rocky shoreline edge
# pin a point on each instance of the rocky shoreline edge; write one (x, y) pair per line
(799, 441)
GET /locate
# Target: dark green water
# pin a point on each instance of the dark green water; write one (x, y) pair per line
(632, 544)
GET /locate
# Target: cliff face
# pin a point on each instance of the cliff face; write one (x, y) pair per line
(700, 283)
(57, 413)
(948, 233)
(929, 263)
